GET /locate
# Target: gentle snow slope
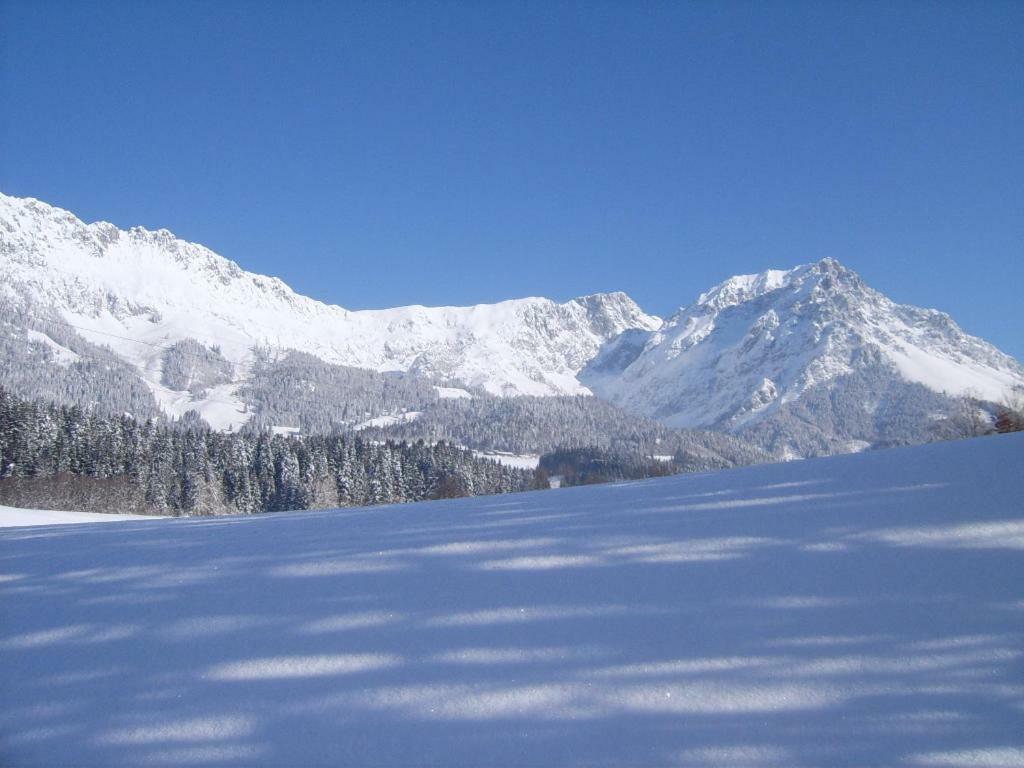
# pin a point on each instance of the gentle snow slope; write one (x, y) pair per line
(11, 517)
(858, 610)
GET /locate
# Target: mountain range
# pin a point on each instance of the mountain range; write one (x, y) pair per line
(807, 360)
(756, 342)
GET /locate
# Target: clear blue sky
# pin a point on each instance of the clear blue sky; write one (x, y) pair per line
(450, 153)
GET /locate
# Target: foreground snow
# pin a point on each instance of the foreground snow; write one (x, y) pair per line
(858, 610)
(11, 517)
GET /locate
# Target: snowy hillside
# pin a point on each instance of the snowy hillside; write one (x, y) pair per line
(140, 291)
(857, 610)
(756, 342)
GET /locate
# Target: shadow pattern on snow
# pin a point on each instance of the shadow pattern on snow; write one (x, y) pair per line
(856, 610)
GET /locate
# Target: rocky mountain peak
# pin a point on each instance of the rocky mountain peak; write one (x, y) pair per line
(755, 342)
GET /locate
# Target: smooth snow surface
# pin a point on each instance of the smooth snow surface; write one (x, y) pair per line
(11, 517)
(858, 610)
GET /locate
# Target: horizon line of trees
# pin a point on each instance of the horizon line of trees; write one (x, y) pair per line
(60, 456)
(594, 465)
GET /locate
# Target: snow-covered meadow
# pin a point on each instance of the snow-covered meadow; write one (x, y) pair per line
(856, 610)
(15, 517)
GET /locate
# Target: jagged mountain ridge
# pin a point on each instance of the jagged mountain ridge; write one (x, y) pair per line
(744, 353)
(755, 343)
(139, 291)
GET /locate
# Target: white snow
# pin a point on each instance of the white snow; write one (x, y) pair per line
(757, 341)
(11, 517)
(61, 354)
(453, 393)
(858, 610)
(389, 420)
(517, 460)
(956, 377)
(139, 291)
(745, 347)
(219, 406)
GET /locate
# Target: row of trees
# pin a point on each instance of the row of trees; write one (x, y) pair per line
(69, 455)
(189, 366)
(545, 424)
(589, 466)
(41, 356)
(296, 389)
(869, 407)
(1010, 416)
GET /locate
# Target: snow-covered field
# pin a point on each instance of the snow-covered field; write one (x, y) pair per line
(858, 610)
(517, 460)
(15, 517)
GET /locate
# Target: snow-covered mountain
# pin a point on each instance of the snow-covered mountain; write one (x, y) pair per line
(139, 291)
(811, 350)
(757, 342)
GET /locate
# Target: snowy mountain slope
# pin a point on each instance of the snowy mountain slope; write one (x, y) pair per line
(856, 610)
(140, 291)
(756, 342)
(804, 362)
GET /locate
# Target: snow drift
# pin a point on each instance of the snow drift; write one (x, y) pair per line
(856, 610)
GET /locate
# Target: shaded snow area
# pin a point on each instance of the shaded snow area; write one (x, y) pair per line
(15, 517)
(858, 610)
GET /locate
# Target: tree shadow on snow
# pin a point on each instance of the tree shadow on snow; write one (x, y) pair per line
(857, 610)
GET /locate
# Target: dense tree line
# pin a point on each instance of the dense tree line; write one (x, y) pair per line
(1009, 416)
(296, 389)
(588, 466)
(868, 408)
(545, 424)
(80, 456)
(42, 356)
(189, 366)
(1009, 420)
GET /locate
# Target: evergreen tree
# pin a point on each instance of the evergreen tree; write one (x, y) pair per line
(67, 455)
